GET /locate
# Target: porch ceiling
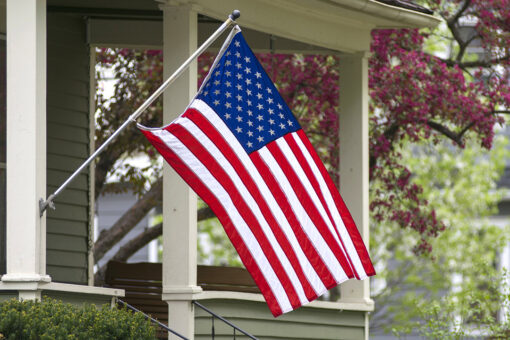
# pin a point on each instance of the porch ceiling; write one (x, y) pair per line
(341, 25)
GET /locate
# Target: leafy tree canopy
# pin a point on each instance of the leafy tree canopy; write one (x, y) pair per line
(464, 274)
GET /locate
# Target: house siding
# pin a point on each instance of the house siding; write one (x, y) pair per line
(78, 299)
(68, 117)
(8, 295)
(254, 318)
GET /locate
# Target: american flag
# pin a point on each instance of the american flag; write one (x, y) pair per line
(241, 149)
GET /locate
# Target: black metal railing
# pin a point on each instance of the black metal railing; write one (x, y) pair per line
(160, 324)
(216, 316)
(213, 316)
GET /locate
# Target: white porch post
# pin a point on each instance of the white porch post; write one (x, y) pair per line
(26, 142)
(354, 158)
(179, 201)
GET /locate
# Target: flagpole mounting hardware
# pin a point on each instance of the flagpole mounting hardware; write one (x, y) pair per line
(44, 204)
(235, 14)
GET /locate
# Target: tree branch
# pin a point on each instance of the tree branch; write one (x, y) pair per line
(128, 220)
(456, 16)
(130, 248)
(465, 129)
(137, 243)
(204, 214)
(463, 47)
(456, 137)
(452, 25)
(476, 63)
(445, 131)
(389, 133)
(103, 166)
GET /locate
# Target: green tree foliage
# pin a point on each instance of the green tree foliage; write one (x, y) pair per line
(461, 277)
(467, 313)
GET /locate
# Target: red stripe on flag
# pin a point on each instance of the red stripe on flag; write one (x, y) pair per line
(311, 209)
(201, 189)
(342, 208)
(296, 150)
(308, 247)
(224, 179)
(210, 131)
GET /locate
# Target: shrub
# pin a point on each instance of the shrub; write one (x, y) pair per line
(53, 319)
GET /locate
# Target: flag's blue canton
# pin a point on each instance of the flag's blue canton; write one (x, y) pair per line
(242, 94)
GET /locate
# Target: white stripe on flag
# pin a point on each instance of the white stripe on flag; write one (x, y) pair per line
(308, 226)
(250, 201)
(308, 269)
(217, 189)
(353, 254)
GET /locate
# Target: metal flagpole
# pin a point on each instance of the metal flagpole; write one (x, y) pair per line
(44, 204)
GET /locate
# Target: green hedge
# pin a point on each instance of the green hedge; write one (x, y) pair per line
(52, 319)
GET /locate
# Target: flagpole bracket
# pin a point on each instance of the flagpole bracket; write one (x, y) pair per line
(235, 15)
(43, 205)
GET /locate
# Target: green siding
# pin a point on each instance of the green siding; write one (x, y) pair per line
(67, 117)
(255, 318)
(8, 295)
(77, 298)
(67, 147)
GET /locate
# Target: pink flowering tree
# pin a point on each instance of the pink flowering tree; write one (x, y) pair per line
(417, 95)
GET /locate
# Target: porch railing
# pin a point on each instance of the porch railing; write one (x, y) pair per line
(213, 316)
(154, 321)
(142, 283)
(216, 316)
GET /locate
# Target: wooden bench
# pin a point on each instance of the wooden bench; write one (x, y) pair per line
(142, 283)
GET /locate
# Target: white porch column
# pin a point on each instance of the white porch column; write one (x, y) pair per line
(179, 201)
(26, 141)
(354, 158)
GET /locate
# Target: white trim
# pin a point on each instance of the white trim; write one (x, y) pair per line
(179, 202)
(26, 138)
(92, 171)
(149, 35)
(353, 153)
(397, 16)
(71, 288)
(227, 295)
(61, 287)
(342, 25)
